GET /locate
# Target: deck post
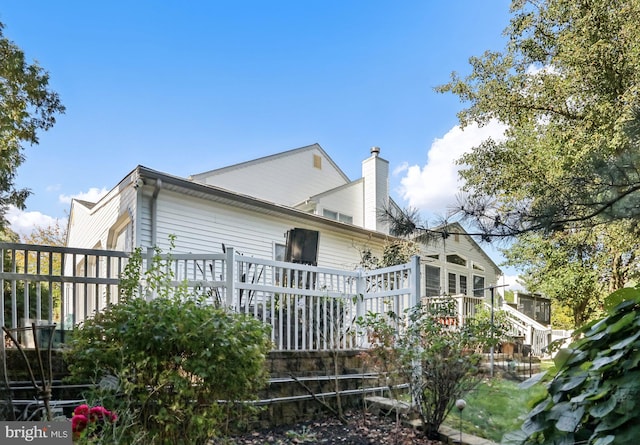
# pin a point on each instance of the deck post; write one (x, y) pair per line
(230, 285)
(415, 281)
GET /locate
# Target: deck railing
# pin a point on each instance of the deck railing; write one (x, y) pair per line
(308, 307)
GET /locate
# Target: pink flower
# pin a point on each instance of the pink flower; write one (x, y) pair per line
(79, 423)
(98, 413)
(81, 409)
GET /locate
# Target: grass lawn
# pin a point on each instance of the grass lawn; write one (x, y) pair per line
(494, 407)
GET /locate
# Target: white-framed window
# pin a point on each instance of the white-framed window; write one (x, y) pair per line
(456, 259)
(463, 284)
(279, 251)
(478, 286)
(432, 281)
(452, 283)
(337, 216)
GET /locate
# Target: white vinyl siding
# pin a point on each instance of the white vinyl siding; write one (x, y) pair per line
(210, 224)
(288, 179)
(90, 227)
(345, 201)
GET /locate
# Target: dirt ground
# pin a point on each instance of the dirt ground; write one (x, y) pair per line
(361, 429)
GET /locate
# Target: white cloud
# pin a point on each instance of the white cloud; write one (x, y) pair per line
(401, 168)
(434, 186)
(23, 222)
(93, 195)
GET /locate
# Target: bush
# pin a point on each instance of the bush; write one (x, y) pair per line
(595, 395)
(174, 357)
(438, 361)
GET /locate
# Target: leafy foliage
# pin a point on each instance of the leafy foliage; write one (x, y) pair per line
(173, 358)
(438, 361)
(27, 105)
(566, 88)
(594, 396)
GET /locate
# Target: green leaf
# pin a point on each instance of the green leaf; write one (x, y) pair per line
(514, 438)
(604, 361)
(627, 341)
(563, 357)
(574, 382)
(617, 297)
(604, 440)
(533, 380)
(625, 321)
(570, 419)
(603, 408)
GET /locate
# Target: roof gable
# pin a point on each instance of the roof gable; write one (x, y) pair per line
(285, 178)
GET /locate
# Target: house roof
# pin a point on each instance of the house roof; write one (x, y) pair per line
(210, 192)
(316, 146)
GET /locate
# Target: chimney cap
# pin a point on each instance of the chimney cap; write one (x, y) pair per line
(375, 151)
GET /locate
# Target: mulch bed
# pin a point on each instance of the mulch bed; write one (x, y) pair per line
(361, 429)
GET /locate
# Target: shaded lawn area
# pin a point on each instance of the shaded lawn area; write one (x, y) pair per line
(494, 408)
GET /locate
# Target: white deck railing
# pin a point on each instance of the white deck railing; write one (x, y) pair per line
(535, 334)
(465, 307)
(309, 308)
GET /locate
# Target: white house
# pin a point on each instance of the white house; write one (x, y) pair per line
(252, 206)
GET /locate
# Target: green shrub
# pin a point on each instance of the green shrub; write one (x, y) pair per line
(174, 358)
(438, 361)
(594, 397)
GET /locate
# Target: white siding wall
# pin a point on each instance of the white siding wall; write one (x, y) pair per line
(286, 180)
(465, 249)
(202, 226)
(89, 228)
(346, 200)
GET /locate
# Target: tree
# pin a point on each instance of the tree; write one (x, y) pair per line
(27, 105)
(577, 268)
(593, 398)
(51, 235)
(566, 87)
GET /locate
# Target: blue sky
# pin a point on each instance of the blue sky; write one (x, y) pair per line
(185, 87)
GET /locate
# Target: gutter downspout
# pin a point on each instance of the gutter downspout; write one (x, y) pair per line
(154, 212)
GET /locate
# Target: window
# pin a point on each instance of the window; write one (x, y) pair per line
(456, 259)
(452, 283)
(463, 284)
(477, 267)
(337, 216)
(432, 280)
(330, 214)
(279, 251)
(478, 286)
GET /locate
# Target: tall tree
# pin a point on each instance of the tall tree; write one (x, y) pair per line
(566, 86)
(27, 106)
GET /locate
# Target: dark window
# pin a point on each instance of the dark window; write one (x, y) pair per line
(432, 280)
(478, 286)
(463, 284)
(452, 284)
(456, 259)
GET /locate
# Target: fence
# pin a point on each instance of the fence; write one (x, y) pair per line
(309, 308)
